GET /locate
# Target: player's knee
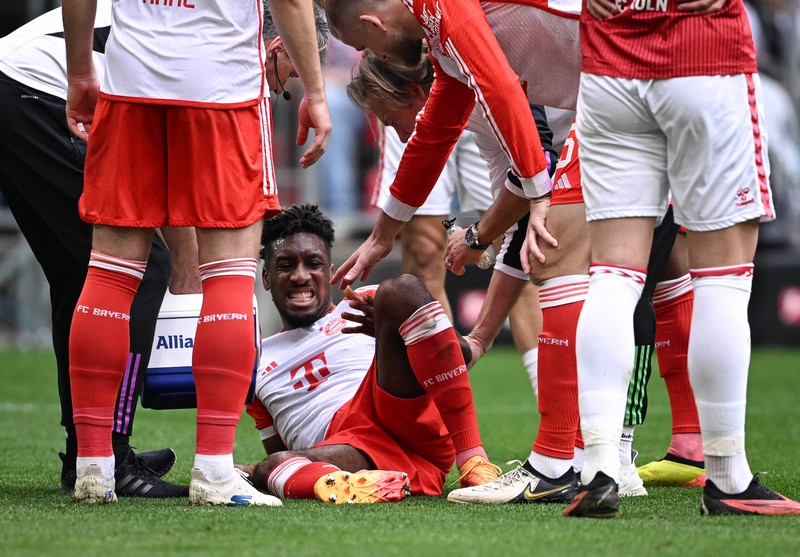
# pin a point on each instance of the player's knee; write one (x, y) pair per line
(425, 258)
(400, 297)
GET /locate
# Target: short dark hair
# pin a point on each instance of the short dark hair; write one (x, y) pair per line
(270, 31)
(293, 220)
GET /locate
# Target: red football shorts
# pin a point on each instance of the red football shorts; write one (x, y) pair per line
(567, 181)
(153, 165)
(401, 434)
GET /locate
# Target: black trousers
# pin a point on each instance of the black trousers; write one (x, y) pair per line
(41, 177)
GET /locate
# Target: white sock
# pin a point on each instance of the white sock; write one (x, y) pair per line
(577, 460)
(106, 463)
(530, 360)
(719, 357)
(732, 473)
(551, 467)
(604, 347)
(626, 446)
(216, 467)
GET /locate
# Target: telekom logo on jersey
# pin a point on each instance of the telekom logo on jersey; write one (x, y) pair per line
(170, 3)
(312, 373)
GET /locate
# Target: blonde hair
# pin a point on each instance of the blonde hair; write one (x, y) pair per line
(388, 84)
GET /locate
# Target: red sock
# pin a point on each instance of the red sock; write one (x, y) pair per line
(561, 300)
(98, 348)
(435, 357)
(225, 351)
(295, 477)
(673, 302)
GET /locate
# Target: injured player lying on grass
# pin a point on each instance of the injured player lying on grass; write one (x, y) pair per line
(364, 401)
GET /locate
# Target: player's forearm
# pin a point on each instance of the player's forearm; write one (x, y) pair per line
(506, 210)
(502, 294)
(78, 17)
(386, 229)
(295, 22)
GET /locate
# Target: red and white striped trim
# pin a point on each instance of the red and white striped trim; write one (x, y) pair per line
(732, 271)
(279, 475)
(117, 264)
(637, 275)
(427, 321)
(245, 267)
(563, 290)
(269, 184)
(667, 290)
(759, 155)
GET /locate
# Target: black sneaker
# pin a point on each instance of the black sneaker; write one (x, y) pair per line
(160, 462)
(135, 479)
(599, 499)
(67, 473)
(521, 485)
(756, 499)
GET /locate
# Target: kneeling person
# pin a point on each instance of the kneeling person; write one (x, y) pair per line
(376, 384)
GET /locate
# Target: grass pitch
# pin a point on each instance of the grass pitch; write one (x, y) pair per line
(37, 519)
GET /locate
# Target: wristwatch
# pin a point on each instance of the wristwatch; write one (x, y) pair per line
(471, 238)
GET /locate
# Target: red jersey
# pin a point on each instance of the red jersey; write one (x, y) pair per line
(651, 39)
(472, 68)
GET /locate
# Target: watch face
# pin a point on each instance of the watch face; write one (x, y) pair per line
(471, 238)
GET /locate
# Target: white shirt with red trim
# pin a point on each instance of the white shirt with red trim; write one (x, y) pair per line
(35, 54)
(205, 53)
(307, 374)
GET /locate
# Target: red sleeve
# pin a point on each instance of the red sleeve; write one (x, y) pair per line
(437, 130)
(260, 414)
(468, 40)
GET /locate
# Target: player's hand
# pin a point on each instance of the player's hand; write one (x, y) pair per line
(359, 265)
(368, 254)
(365, 319)
(82, 95)
(537, 230)
(246, 468)
(313, 113)
(478, 350)
(458, 254)
(700, 6)
(602, 9)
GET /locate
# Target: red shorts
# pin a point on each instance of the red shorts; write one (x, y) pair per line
(401, 434)
(156, 165)
(567, 181)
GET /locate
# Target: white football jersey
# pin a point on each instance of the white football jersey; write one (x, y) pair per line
(307, 374)
(206, 53)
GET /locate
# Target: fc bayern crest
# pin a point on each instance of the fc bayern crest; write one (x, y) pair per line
(333, 326)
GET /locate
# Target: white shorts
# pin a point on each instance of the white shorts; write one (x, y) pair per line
(700, 138)
(466, 174)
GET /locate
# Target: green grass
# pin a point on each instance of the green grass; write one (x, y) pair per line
(37, 519)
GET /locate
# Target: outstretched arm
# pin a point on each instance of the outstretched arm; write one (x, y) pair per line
(446, 113)
(295, 22)
(370, 253)
(83, 87)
